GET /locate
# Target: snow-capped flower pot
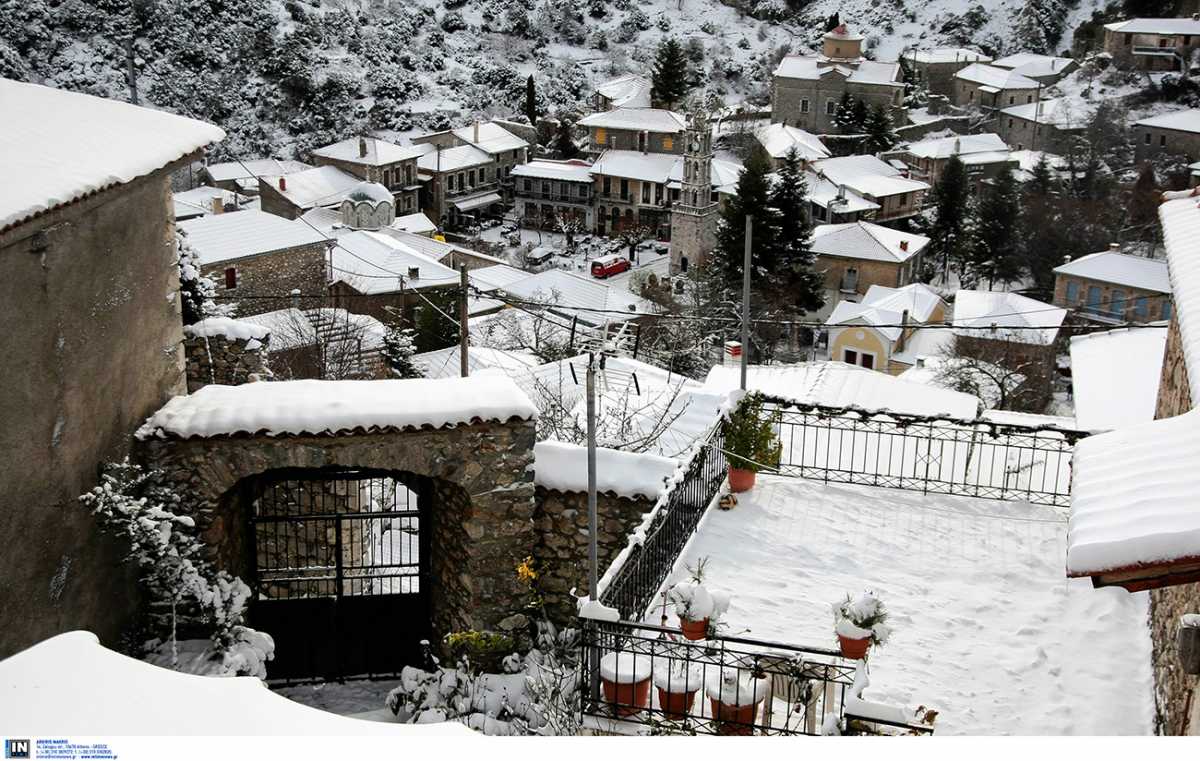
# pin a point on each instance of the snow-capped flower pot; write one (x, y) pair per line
(698, 608)
(677, 687)
(854, 649)
(735, 698)
(625, 679)
(741, 480)
(860, 623)
(694, 630)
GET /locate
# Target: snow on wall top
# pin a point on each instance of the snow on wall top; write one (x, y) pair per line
(314, 407)
(1181, 237)
(994, 76)
(947, 55)
(72, 684)
(563, 467)
(649, 119)
(57, 147)
(1114, 376)
(238, 330)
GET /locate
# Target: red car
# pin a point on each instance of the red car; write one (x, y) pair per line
(607, 266)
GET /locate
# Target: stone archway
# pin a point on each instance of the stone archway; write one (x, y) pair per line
(475, 478)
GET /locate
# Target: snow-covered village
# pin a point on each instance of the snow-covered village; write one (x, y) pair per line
(450, 369)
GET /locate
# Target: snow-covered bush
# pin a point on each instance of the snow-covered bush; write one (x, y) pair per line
(862, 618)
(196, 291)
(133, 503)
(693, 601)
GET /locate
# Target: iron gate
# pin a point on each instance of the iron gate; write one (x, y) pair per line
(341, 571)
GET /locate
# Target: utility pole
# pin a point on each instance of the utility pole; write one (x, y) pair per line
(593, 521)
(746, 299)
(463, 336)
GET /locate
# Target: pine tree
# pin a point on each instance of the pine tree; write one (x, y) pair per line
(564, 140)
(669, 74)
(1045, 240)
(531, 101)
(752, 198)
(996, 245)
(878, 127)
(1143, 202)
(843, 116)
(399, 346)
(833, 22)
(803, 288)
(947, 237)
(433, 329)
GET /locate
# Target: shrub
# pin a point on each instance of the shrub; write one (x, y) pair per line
(749, 436)
(485, 651)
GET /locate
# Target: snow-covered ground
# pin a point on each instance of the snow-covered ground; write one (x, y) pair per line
(987, 628)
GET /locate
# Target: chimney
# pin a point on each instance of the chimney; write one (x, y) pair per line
(904, 247)
(733, 354)
(476, 133)
(1116, 247)
(362, 147)
(218, 205)
(283, 184)
(414, 273)
(920, 362)
(903, 330)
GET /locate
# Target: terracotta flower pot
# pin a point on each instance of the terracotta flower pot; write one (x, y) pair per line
(676, 705)
(734, 720)
(694, 630)
(741, 480)
(854, 649)
(630, 698)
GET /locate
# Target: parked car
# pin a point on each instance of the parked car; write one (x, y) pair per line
(607, 266)
(539, 256)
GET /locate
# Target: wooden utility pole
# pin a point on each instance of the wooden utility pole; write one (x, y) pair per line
(463, 337)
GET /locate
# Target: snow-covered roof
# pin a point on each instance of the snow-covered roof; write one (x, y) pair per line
(198, 202)
(883, 308)
(1120, 269)
(373, 262)
(627, 90)
(1034, 64)
(292, 328)
(370, 191)
(1115, 375)
(1057, 112)
(547, 169)
(71, 685)
(866, 240)
(1181, 121)
(238, 330)
(490, 138)
(320, 407)
(957, 145)
(1156, 26)
(1133, 496)
(563, 467)
(635, 165)
(1016, 318)
(868, 175)
(496, 276)
(377, 152)
(58, 147)
(816, 67)
(778, 139)
(319, 186)
(594, 301)
(246, 169)
(225, 237)
(835, 384)
(416, 223)
(828, 195)
(848, 313)
(947, 55)
(444, 363)
(452, 159)
(647, 119)
(993, 76)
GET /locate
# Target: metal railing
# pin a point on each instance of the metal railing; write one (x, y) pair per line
(652, 677)
(928, 454)
(650, 562)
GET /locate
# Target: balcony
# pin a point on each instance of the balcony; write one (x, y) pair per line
(1152, 50)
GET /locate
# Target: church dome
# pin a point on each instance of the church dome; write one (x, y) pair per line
(370, 191)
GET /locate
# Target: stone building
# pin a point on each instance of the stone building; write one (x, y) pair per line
(1152, 44)
(466, 172)
(992, 88)
(935, 69)
(984, 156)
(779, 139)
(806, 90)
(694, 215)
(631, 190)
(625, 91)
(1115, 288)
(857, 255)
(547, 192)
(89, 286)
(242, 176)
(1177, 132)
(868, 333)
(377, 161)
(895, 195)
(1046, 69)
(376, 274)
(1047, 125)
(258, 259)
(290, 196)
(642, 130)
(369, 206)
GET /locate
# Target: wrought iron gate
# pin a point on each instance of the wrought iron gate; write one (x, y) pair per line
(341, 575)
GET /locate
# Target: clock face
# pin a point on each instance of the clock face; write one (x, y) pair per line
(695, 147)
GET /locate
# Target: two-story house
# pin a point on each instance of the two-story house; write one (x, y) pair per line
(631, 191)
(877, 181)
(458, 184)
(374, 160)
(645, 130)
(934, 69)
(992, 88)
(625, 91)
(547, 192)
(1046, 69)
(289, 196)
(985, 156)
(1152, 44)
(883, 331)
(1112, 287)
(1177, 132)
(1046, 125)
(857, 255)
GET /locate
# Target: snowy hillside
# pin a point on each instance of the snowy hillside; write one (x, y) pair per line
(282, 76)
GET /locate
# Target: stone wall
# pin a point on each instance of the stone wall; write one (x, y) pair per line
(561, 519)
(1026, 134)
(264, 282)
(225, 361)
(89, 293)
(1176, 694)
(870, 272)
(804, 103)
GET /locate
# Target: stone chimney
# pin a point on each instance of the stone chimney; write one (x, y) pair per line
(283, 184)
(732, 356)
(218, 205)
(904, 247)
(362, 147)
(475, 132)
(1114, 247)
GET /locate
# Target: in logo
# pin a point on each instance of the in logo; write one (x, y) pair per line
(16, 748)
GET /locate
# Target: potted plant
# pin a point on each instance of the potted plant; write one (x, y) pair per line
(735, 698)
(677, 687)
(697, 607)
(860, 623)
(625, 678)
(750, 442)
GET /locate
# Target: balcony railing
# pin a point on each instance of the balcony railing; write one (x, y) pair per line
(723, 685)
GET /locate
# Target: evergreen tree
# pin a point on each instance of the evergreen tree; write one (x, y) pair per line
(948, 240)
(833, 22)
(399, 346)
(531, 101)
(859, 116)
(669, 74)
(844, 116)
(564, 140)
(878, 128)
(433, 329)
(802, 288)
(996, 244)
(1143, 202)
(752, 198)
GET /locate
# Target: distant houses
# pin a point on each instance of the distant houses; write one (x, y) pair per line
(1152, 44)
(991, 87)
(985, 156)
(934, 69)
(1175, 132)
(857, 255)
(1112, 287)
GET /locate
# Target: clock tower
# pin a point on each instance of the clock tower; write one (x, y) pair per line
(694, 215)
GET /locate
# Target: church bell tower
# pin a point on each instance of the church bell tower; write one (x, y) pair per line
(694, 215)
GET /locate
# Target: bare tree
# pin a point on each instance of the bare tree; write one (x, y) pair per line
(632, 237)
(328, 344)
(1002, 373)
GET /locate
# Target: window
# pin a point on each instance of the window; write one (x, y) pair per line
(471, 177)
(1141, 307)
(645, 192)
(516, 154)
(1128, 39)
(583, 191)
(1072, 292)
(1010, 122)
(408, 175)
(624, 190)
(230, 278)
(545, 189)
(1147, 138)
(641, 141)
(804, 105)
(528, 185)
(450, 183)
(1028, 98)
(1093, 296)
(668, 143)
(868, 361)
(1118, 302)
(608, 186)
(1162, 139)
(601, 136)
(830, 107)
(1166, 310)
(1011, 100)
(850, 356)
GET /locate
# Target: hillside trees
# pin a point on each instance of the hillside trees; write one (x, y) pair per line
(669, 74)
(948, 238)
